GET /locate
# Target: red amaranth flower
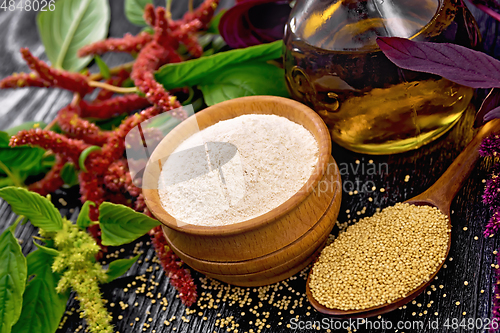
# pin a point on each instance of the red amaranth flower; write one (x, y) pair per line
(117, 81)
(150, 15)
(69, 149)
(128, 44)
(148, 60)
(98, 162)
(57, 78)
(162, 31)
(71, 123)
(91, 189)
(140, 205)
(180, 277)
(52, 180)
(112, 107)
(203, 13)
(185, 35)
(21, 80)
(118, 179)
(116, 142)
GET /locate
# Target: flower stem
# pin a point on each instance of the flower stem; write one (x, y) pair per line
(9, 174)
(76, 99)
(16, 222)
(168, 9)
(50, 125)
(112, 71)
(110, 87)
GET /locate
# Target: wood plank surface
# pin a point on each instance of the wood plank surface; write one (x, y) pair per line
(143, 300)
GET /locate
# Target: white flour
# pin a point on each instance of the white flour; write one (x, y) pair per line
(237, 169)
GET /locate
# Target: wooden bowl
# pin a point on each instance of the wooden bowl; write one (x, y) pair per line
(254, 243)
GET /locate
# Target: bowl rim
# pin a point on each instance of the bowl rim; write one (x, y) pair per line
(325, 147)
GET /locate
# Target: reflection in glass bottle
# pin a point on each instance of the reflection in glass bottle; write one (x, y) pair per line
(368, 103)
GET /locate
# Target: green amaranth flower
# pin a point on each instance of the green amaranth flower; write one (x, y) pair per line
(80, 272)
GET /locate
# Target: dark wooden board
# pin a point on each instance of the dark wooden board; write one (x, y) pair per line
(471, 262)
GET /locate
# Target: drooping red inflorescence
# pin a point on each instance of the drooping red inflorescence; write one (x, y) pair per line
(57, 78)
(107, 176)
(21, 80)
(203, 13)
(155, 54)
(149, 60)
(91, 189)
(69, 149)
(118, 179)
(117, 81)
(150, 15)
(163, 34)
(180, 277)
(185, 35)
(128, 44)
(70, 122)
(116, 143)
(112, 107)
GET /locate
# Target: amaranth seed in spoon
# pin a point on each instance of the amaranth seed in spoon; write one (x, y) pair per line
(381, 258)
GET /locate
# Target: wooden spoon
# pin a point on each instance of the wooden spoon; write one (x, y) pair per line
(438, 195)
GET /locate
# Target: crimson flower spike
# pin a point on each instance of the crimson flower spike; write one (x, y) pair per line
(57, 78)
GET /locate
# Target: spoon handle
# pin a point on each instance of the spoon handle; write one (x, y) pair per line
(446, 187)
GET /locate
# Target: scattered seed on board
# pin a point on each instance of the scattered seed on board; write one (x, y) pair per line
(381, 258)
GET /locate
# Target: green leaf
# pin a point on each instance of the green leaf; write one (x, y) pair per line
(103, 68)
(213, 27)
(25, 126)
(47, 250)
(84, 220)
(134, 11)
(119, 267)
(4, 182)
(21, 158)
(218, 43)
(148, 29)
(84, 155)
(72, 25)
(208, 53)
(205, 40)
(4, 139)
(43, 307)
(13, 274)
(39, 210)
(250, 79)
(39, 263)
(192, 72)
(69, 174)
(121, 225)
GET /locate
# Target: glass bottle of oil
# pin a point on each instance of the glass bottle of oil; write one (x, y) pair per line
(333, 64)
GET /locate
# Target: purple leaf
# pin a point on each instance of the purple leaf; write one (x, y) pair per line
(495, 113)
(456, 63)
(489, 108)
